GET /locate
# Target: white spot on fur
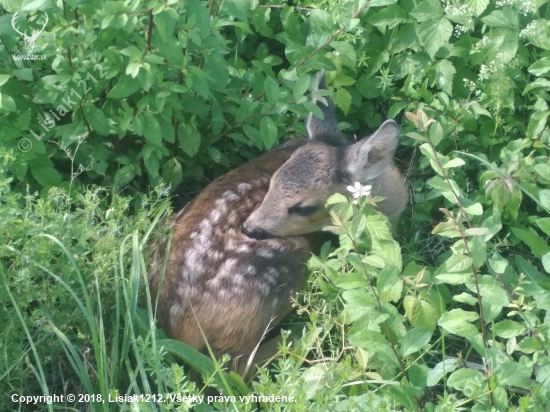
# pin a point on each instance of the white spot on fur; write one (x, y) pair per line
(215, 215)
(266, 253)
(250, 270)
(243, 187)
(230, 195)
(244, 248)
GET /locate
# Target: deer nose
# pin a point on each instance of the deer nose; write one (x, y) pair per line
(255, 233)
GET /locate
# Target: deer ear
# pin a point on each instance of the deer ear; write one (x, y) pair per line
(326, 129)
(369, 157)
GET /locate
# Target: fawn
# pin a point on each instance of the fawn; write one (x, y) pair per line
(239, 249)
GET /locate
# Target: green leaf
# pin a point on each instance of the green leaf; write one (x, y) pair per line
(515, 374)
(491, 291)
(189, 139)
(47, 176)
(427, 10)
(351, 281)
(172, 173)
(151, 129)
(4, 78)
(477, 6)
(458, 321)
(414, 340)
(97, 119)
(544, 224)
(498, 263)
(505, 17)
(395, 109)
(433, 34)
(7, 103)
(458, 263)
(124, 87)
(420, 312)
(544, 196)
(321, 21)
(342, 99)
(301, 86)
(444, 74)
(546, 262)
(463, 378)
(389, 284)
(268, 129)
(539, 33)
(508, 329)
(537, 244)
(271, 88)
(237, 8)
(540, 67)
(435, 131)
(441, 369)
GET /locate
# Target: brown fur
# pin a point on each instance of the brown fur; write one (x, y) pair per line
(234, 286)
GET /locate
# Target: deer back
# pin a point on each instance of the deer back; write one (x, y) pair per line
(239, 249)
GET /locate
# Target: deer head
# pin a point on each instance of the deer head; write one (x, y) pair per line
(29, 40)
(298, 191)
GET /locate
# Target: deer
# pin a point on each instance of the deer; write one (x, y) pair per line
(240, 248)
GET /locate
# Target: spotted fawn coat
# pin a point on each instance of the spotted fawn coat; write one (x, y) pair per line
(239, 249)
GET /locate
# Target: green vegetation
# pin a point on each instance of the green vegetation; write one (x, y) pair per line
(452, 315)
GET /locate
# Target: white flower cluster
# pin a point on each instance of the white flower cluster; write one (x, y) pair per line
(453, 9)
(480, 44)
(470, 85)
(485, 71)
(525, 7)
(459, 30)
(531, 30)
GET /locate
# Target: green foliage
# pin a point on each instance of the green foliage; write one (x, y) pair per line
(178, 92)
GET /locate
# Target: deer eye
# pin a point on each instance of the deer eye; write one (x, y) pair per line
(302, 210)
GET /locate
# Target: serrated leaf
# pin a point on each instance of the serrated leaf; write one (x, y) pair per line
(389, 284)
(189, 139)
(536, 243)
(427, 10)
(458, 321)
(342, 99)
(477, 6)
(420, 312)
(539, 33)
(444, 74)
(414, 340)
(433, 34)
(46, 175)
(268, 129)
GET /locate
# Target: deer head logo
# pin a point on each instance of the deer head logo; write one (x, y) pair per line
(29, 40)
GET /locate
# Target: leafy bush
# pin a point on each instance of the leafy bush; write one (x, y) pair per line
(181, 91)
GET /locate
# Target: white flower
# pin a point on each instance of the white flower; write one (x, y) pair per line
(359, 190)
